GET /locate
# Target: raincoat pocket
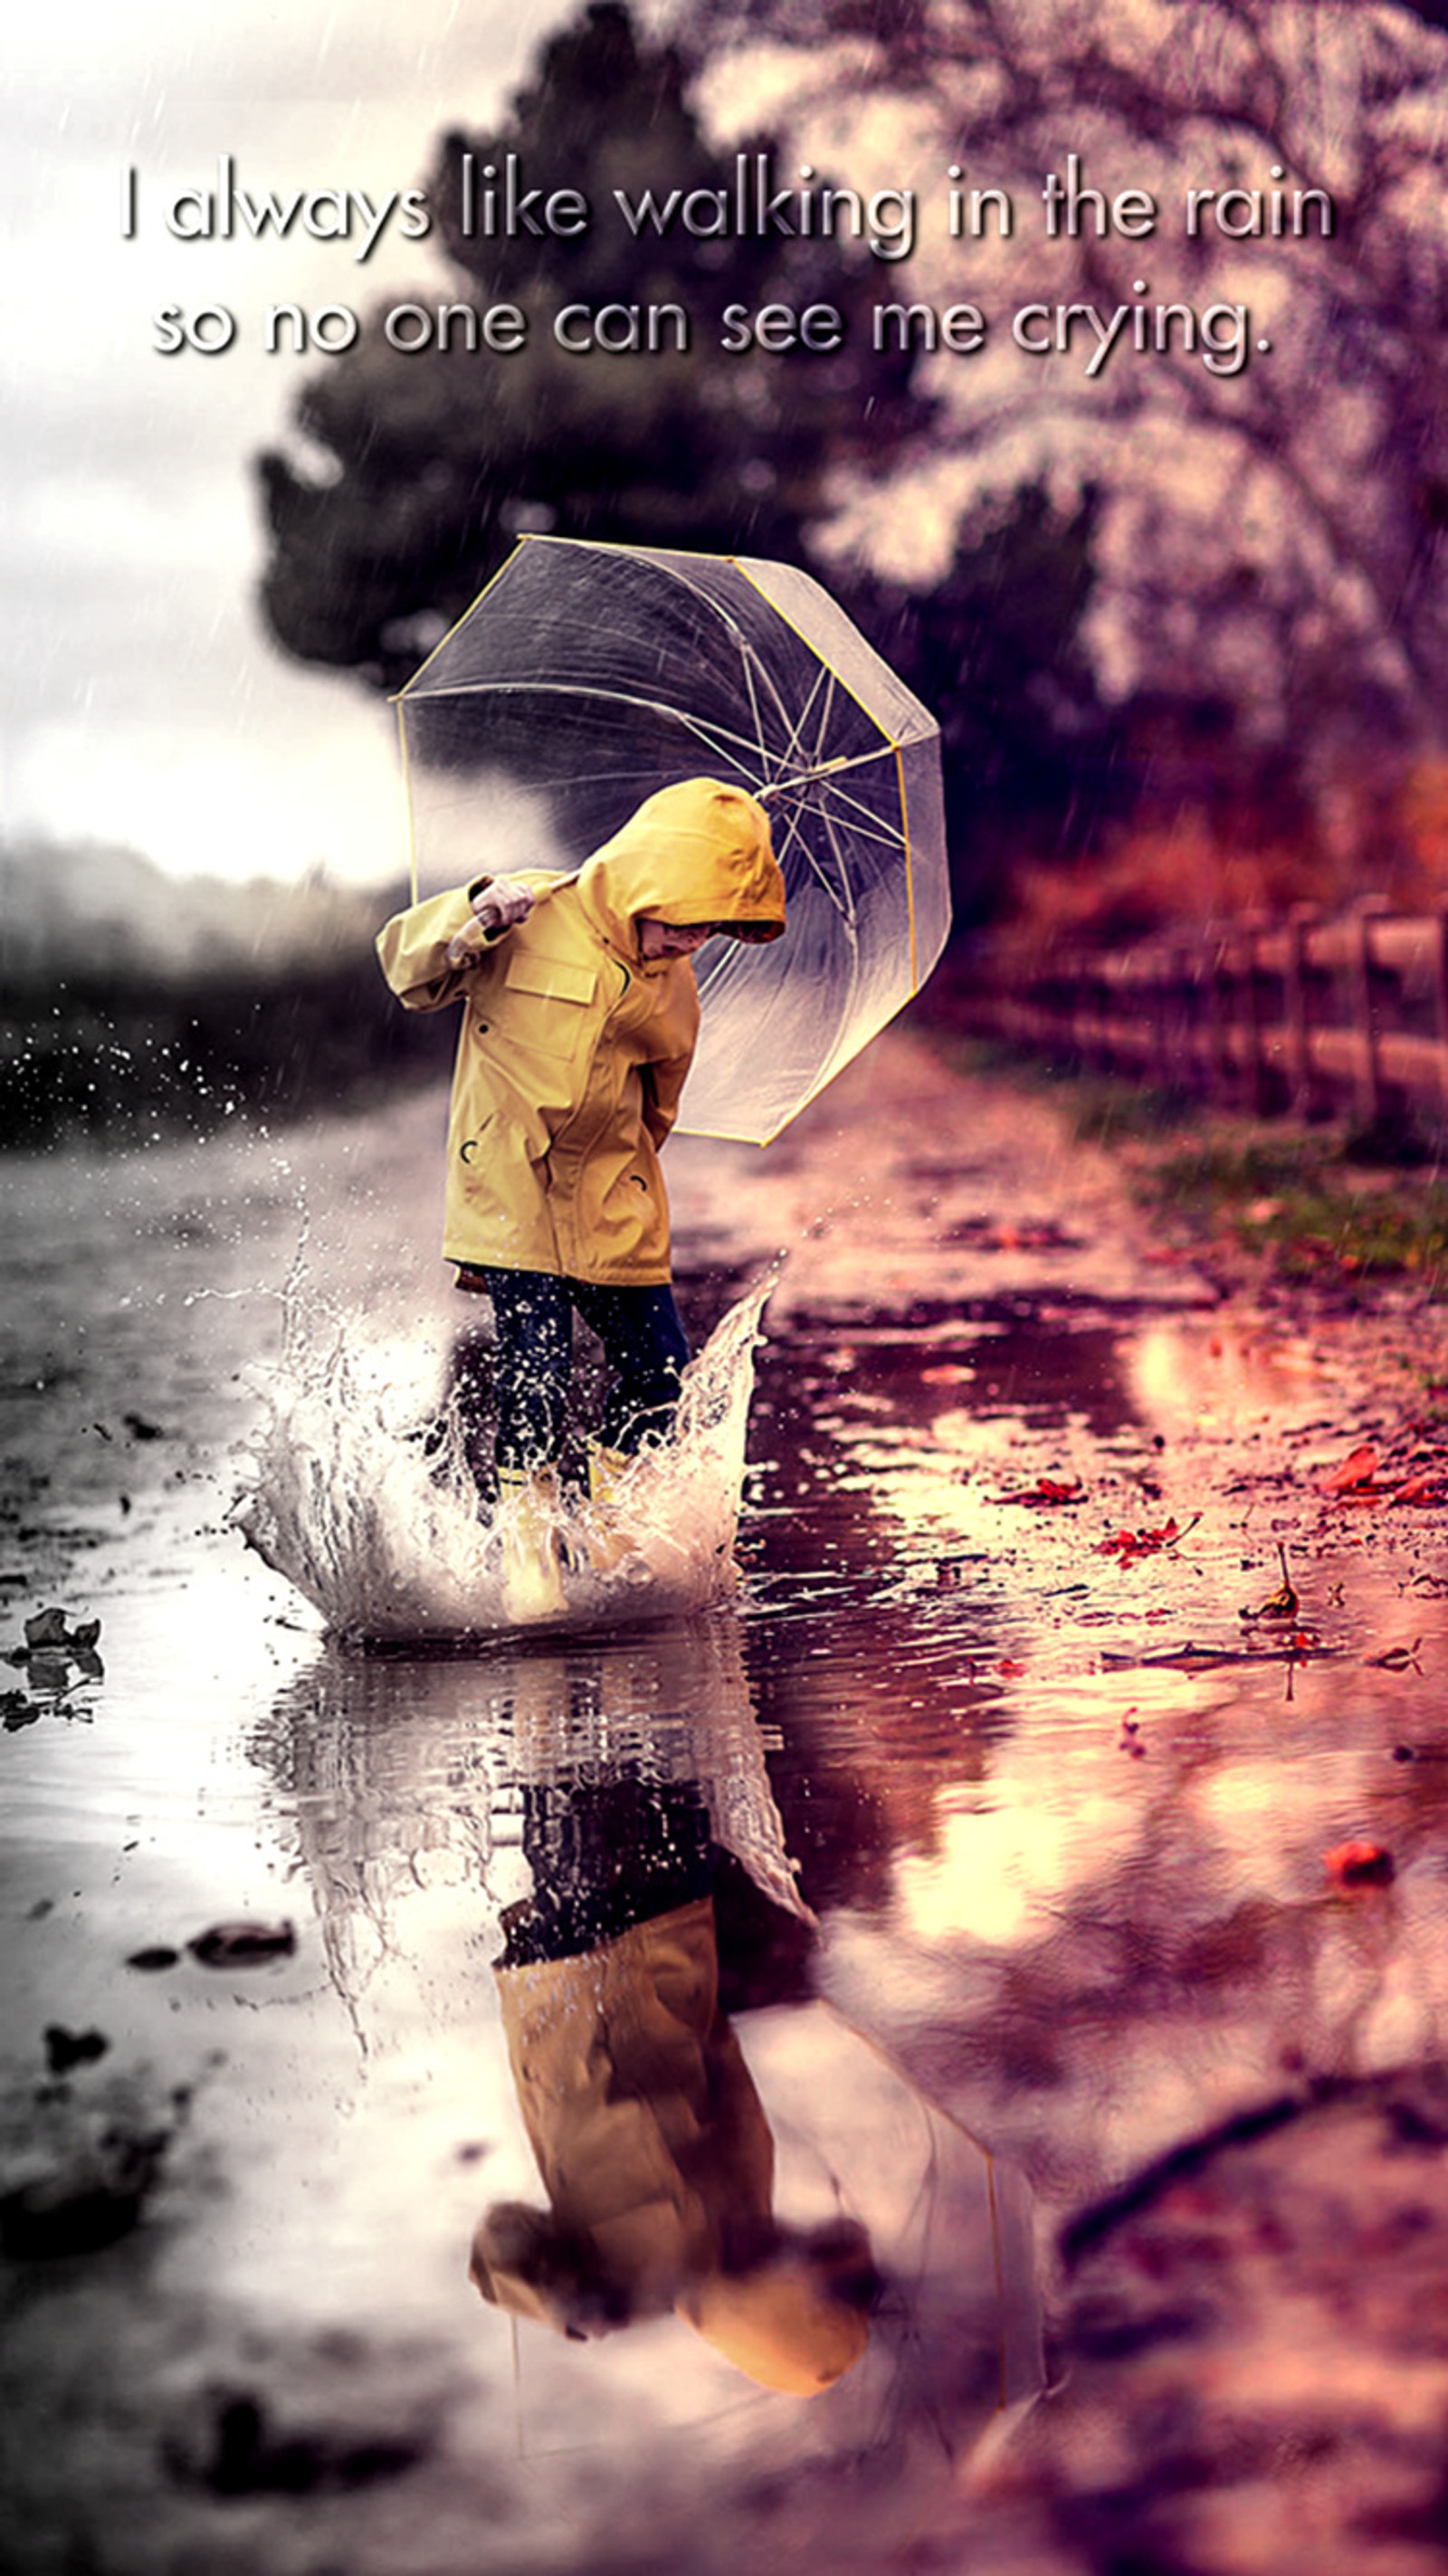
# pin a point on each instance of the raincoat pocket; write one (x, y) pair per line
(548, 1001)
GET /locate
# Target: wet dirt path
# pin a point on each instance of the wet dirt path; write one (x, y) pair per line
(1108, 1798)
(1061, 1817)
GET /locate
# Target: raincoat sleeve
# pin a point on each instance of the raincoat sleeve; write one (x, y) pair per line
(412, 948)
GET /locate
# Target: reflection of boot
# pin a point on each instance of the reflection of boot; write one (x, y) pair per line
(608, 1542)
(527, 1525)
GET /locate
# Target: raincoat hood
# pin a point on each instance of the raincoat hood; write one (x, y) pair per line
(782, 2326)
(696, 851)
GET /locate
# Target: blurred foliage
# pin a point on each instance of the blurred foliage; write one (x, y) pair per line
(1269, 612)
(134, 1004)
(1098, 1108)
(1190, 648)
(1333, 1206)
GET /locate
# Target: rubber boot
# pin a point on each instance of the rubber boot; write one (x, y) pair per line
(527, 1524)
(608, 1542)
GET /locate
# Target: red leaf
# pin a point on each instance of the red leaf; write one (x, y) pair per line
(1353, 1473)
(1359, 1865)
(1046, 1490)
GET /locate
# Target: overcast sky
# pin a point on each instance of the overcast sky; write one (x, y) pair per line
(144, 704)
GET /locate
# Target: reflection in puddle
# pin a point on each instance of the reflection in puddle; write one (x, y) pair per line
(706, 2197)
(1196, 1375)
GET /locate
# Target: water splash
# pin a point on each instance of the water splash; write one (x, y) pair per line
(381, 1528)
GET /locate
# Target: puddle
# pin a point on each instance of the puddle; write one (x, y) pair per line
(964, 1859)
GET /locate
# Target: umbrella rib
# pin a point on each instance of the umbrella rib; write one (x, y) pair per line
(866, 825)
(788, 724)
(832, 894)
(749, 753)
(792, 751)
(864, 815)
(697, 590)
(825, 713)
(747, 660)
(791, 833)
(720, 738)
(788, 753)
(581, 689)
(851, 910)
(754, 666)
(866, 822)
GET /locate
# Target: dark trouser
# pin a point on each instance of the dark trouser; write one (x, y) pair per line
(606, 1854)
(644, 1344)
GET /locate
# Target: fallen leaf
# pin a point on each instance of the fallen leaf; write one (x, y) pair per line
(1047, 1490)
(1281, 1604)
(1127, 1545)
(47, 1628)
(49, 1632)
(1355, 1471)
(1398, 1659)
(1359, 1864)
(65, 2049)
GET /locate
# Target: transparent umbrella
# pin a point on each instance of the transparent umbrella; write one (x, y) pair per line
(586, 676)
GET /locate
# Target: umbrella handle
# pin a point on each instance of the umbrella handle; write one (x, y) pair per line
(543, 892)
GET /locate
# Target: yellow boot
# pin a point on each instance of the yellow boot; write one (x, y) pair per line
(527, 1524)
(608, 1542)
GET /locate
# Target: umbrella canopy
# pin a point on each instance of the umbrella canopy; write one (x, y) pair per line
(586, 676)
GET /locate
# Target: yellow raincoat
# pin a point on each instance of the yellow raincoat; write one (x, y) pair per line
(573, 1051)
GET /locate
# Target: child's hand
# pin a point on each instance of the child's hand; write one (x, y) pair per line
(501, 902)
(496, 906)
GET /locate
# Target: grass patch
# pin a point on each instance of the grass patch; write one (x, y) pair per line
(1309, 1206)
(1323, 1205)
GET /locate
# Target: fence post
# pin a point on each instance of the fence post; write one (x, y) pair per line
(1302, 1088)
(1439, 930)
(1254, 1072)
(1367, 1086)
(1219, 988)
(1177, 1017)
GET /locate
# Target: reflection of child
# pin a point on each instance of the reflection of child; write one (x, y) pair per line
(643, 2118)
(579, 1024)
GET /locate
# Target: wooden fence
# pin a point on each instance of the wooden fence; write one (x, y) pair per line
(1308, 1016)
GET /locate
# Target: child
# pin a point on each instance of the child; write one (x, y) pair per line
(579, 1024)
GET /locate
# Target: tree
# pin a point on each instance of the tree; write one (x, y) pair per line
(427, 466)
(1269, 534)
(1034, 761)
